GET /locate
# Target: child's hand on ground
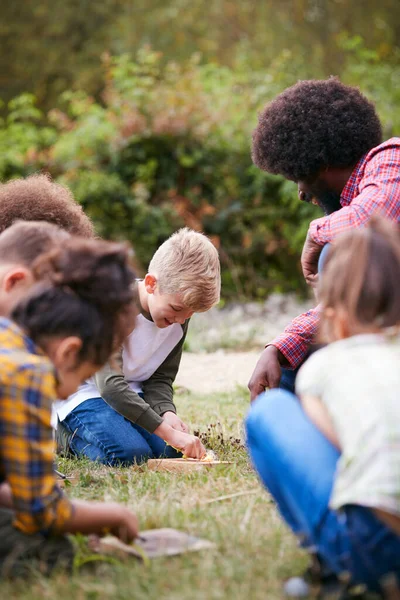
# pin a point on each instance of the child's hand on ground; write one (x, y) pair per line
(102, 518)
(127, 528)
(175, 422)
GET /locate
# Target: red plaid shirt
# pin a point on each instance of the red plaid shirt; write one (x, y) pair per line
(373, 187)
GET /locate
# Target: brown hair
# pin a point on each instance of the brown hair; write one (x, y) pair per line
(38, 198)
(85, 290)
(187, 263)
(24, 241)
(362, 276)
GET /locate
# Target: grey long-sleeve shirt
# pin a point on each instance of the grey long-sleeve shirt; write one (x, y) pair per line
(157, 390)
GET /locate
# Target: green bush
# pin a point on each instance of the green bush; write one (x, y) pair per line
(168, 146)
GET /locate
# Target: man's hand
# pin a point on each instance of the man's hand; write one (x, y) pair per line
(267, 373)
(309, 260)
(175, 422)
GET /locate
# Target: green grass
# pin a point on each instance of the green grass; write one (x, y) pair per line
(254, 551)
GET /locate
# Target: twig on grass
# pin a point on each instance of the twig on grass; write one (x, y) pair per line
(247, 515)
(229, 496)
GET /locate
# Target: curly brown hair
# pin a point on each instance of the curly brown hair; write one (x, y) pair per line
(84, 289)
(38, 198)
(313, 125)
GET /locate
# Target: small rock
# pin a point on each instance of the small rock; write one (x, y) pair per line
(296, 587)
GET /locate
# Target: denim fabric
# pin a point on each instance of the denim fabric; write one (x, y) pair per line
(288, 379)
(102, 434)
(296, 463)
(322, 257)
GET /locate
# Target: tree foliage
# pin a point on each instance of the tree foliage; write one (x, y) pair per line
(49, 46)
(153, 140)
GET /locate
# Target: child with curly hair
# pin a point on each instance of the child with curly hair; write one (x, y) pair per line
(60, 333)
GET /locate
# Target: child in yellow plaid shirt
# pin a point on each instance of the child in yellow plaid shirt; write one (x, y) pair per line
(62, 331)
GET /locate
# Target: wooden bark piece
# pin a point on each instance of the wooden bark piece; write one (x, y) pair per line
(183, 465)
(153, 544)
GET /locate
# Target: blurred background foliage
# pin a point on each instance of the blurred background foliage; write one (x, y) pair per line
(145, 110)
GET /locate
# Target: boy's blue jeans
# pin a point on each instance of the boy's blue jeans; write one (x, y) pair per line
(297, 464)
(103, 435)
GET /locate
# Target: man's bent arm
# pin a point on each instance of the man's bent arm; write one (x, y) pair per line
(295, 341)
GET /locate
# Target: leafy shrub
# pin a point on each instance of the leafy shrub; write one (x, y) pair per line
(169, 145)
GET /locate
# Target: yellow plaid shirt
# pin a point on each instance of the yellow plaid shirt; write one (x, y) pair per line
(27, 390)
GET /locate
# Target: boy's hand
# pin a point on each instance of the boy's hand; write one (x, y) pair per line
(175, 422)
(189, 445)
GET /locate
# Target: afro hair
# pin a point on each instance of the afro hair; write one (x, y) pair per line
(38, 198)
(313, 125)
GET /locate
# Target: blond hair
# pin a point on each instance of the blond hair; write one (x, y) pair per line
(188, 264)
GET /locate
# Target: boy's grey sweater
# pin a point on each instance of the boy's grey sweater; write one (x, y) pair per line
(157, 390)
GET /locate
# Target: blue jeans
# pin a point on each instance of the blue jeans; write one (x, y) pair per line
(297, 464)
(288, 378)
(103, 435)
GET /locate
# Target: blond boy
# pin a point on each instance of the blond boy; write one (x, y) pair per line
(128, 415)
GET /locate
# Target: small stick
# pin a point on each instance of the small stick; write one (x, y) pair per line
(247, 515)
(61, 475)
(229, 496)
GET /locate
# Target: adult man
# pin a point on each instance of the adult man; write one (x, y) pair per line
(326, 137)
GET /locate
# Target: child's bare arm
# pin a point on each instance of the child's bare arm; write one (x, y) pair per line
(6, 496)
(318, 414)
(102, 518)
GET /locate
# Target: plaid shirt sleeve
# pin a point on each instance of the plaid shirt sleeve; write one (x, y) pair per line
(294, 342)
(378, 192)
(27, 451)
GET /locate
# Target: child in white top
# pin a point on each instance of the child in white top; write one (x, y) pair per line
(333, 462)
(126, 413)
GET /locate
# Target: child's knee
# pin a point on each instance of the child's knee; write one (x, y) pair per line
(129, 453)
(267, 405)
(264, 412)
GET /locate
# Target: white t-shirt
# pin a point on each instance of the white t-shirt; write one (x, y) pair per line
(145, 349)
(358, 381)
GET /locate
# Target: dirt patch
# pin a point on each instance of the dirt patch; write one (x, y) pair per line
(217, 371)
